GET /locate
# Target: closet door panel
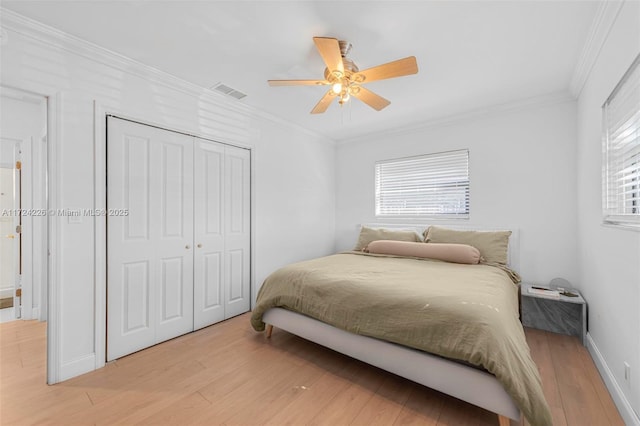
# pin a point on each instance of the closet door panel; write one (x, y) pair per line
(237, 231)
(175, 191)
(149, 267)
(135, 295)
(209, 214)
(236, 267)
(130, 293)
(174, 228)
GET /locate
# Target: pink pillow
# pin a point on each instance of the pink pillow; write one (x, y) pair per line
(456, 253)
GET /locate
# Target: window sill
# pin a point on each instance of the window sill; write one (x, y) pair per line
(422, 218)
(618, 225)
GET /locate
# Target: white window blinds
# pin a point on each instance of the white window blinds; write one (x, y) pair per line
(621, 174)
(434, 185)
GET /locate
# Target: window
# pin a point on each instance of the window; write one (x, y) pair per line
(434, 185)
(621, 146)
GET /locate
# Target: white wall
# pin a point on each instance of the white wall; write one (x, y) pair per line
(294, 199)
(609, 258)
(522, 175)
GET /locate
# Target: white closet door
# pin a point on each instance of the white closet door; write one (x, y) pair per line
(237, 205)
(149, 250)
(208, 292)
(174, 235)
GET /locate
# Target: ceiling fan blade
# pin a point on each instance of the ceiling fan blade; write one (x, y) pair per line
(297, 82)
(324, 103)
(376, 102)
(329, 49)
(393, 69)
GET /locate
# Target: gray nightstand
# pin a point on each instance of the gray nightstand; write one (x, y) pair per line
(566, 315)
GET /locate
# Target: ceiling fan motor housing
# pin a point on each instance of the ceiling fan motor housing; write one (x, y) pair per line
(350, 67)
(345, 47)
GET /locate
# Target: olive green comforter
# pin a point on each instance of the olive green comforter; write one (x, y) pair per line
(464, 312)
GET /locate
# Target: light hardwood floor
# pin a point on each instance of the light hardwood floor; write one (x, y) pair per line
(228, 374)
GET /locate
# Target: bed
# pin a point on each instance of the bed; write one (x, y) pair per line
(451, 327)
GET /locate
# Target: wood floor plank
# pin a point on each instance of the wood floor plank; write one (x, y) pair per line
(183, 382)
(541, 355)
(228, 374)
(423, 407)
(459, 413)
(580, 401)
(311, 365)
(315, 397)
(345, 406)
(385, 405)
(131, 400)
(590, 370)
(180, 412)
(237, 383)
(236, 390)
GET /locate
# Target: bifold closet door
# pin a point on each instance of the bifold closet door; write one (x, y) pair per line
(237, 245)
(208, 259)
(149, 246)
(222, 273)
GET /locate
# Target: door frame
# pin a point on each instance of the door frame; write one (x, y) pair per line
(49, 300)
(54, 246)
(103, 109)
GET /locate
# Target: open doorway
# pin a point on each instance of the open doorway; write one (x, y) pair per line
(23, 206)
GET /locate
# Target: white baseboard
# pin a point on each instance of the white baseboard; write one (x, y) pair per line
(77, 367)
(7, 315)
(622, 403)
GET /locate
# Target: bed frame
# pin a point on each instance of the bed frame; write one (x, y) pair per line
(461, 381)
(452, 378)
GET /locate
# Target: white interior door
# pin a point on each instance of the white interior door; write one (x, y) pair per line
(149, 236)
(237, 205)
(16, 226)
(209, 296)
(9, 241)
(29, 293)
(17, 240)
(22, 148)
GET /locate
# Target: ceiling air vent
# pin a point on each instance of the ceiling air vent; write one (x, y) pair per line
(229, 91)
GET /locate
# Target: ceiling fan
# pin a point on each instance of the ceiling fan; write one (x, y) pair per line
(346, 79)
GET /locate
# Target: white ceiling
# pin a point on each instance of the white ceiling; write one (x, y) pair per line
(471, 54)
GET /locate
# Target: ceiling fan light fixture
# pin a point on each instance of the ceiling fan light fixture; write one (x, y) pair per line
(344, 77)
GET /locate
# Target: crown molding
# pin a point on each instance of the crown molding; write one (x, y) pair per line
(603, 21)
(49, 36)
(283, 122)
(518, 105)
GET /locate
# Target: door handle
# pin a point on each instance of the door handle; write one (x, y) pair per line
(199, 245)
(187, 246)
(11, 236)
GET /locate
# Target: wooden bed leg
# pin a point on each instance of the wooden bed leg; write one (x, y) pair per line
(270, 330)
(504, 421)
